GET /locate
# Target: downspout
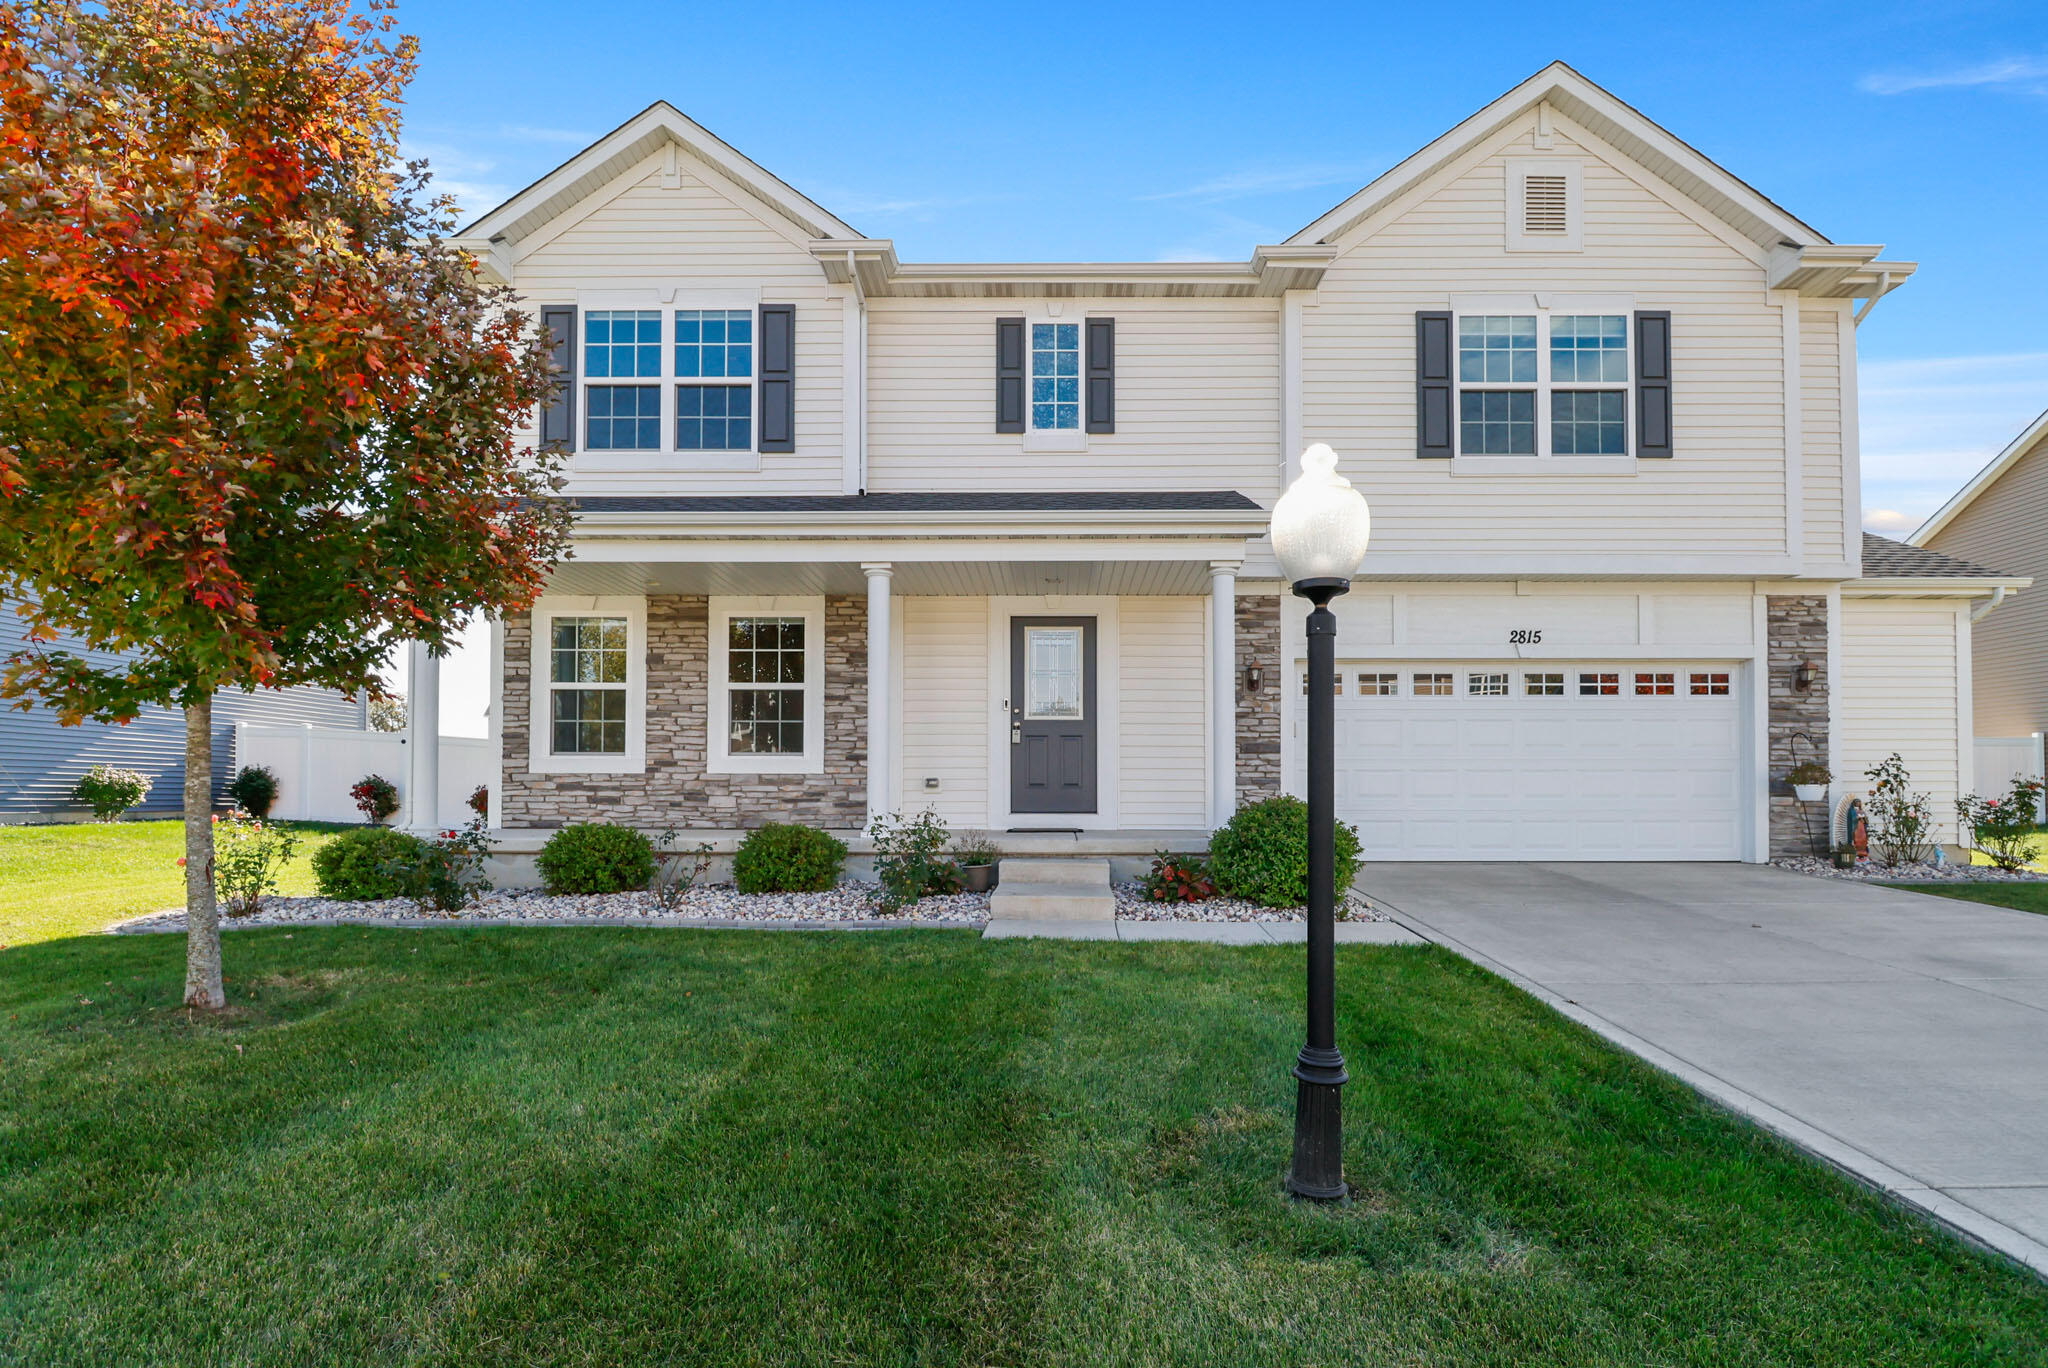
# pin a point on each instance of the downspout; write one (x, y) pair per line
(1884, 287)
(859, 417)
(1983, 610)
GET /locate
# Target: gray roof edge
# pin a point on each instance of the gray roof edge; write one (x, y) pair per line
(970, 501)
(1884, 558)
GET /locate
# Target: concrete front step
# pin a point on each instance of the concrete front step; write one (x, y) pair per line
(1052, 902)
(1086, 873)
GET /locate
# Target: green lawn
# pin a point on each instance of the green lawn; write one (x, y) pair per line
(514, 1146)
(70, 880)
(2026, 897)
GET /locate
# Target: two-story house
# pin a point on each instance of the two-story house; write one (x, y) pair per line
(859, 535)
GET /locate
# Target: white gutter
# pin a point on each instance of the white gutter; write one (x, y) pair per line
(1983, 610)
(1884, 287)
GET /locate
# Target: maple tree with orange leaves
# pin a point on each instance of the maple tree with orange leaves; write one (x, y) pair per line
(258, 422)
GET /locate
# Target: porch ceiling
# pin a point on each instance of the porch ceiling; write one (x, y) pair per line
(969, 578)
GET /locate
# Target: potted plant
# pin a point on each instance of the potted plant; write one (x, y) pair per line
(1810, 780)
(976, 855)
(1845, 857)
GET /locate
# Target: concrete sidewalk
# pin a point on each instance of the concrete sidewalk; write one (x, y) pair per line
(1215, 933)
(1902, 1037)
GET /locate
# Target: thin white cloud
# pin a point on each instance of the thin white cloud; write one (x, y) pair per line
(1275, 180)
(1929, 424)
(2028, 74)
(1889, 521)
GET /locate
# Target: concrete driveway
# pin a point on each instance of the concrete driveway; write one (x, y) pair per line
(1901, 1036)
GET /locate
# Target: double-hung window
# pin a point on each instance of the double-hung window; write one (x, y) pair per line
(622, 345)
(767, 685)
(714, 380)
(588, 679)
(1542, 382)
(680, 381)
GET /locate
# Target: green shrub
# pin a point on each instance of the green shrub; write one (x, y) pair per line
(109, 792)
(1261, 854)
(780, 858)
(254, 789)
(367, 863)
(910, 860)
(596, 857)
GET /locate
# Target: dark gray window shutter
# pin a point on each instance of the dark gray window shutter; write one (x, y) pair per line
(1009, 375)
(1101, 375)
(1432, 383)
(778, 377)
(1653, 384)
(558, 414)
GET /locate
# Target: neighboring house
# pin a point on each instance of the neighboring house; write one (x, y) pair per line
(2001, 518)
(858, 535)
(41, 760)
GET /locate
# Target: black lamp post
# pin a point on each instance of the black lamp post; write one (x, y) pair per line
(1320, 529)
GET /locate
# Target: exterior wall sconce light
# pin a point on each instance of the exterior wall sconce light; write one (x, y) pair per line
(1802, 676)
(1251, 679)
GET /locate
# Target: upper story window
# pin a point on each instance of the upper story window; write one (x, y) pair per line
(711, 383)
(1543, 384)
(714, 380)
(1056, 376)
(622, 344)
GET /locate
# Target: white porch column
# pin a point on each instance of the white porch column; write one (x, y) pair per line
(1222, 691)
(423, 739)
(882, 797)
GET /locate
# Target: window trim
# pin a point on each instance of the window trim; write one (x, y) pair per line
(1057, 439)
(718, 759)
(540, 756)
(667, 458)
(1544, 307)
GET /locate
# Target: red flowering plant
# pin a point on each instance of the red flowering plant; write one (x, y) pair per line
(375, 797)
(2004, 829)
(1178, 878)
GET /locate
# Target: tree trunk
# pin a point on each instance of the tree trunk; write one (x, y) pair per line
(202, 915)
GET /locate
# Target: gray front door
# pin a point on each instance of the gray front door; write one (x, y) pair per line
(1052, 714)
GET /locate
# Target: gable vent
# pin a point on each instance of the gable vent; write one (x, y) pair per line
(1543, 205)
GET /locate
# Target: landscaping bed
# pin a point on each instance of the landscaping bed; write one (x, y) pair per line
(850, 903)
(1870, 871)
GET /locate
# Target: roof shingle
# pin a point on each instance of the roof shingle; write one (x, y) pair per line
(1884, 558)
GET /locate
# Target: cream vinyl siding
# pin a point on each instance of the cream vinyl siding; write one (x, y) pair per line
(1820, 414)
(1162, 696)
(1197, 398)
(2005, 528)
(946, 707)
(696, 236)
(1721, 496)
(1899, 682)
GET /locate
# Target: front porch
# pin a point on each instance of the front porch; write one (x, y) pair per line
(826, 661)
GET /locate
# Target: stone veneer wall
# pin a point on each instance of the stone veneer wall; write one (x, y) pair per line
(674, 789)
(1258, 714)
(1797, 630)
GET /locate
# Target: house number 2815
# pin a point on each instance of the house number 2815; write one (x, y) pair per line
(1524, 636)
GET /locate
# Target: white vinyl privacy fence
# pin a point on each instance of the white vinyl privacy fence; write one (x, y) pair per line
(317, 766)
(2000, 758)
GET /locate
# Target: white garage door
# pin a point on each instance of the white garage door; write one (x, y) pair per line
(1549, 761)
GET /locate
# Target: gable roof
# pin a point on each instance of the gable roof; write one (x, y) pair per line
(1982, 480)
(1741, 205)
(659, 125)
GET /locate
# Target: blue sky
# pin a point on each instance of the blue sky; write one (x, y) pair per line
(1099, 132)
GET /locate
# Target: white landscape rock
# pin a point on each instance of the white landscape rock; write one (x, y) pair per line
(850, 903)
(1870, 871)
